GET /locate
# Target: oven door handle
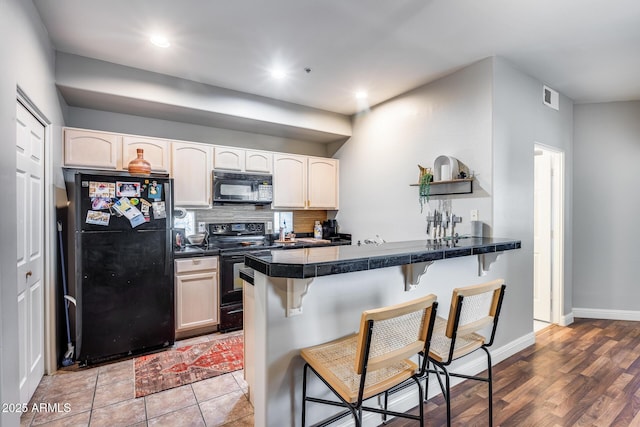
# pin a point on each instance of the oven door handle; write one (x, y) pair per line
(233, 258)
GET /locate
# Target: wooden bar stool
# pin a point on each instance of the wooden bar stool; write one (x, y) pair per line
(473, 309)
(373, 361)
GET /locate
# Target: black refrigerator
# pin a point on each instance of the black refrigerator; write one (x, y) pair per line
(120, 263)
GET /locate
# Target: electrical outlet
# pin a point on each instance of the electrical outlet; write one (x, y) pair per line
(202, 227)
(474, 215)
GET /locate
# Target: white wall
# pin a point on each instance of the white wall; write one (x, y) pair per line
(606, 155)
(451, 116)
(520, 119)
(137, 125)
(28, 62)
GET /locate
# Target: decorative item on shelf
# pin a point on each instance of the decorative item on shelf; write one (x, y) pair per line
(445, 168)
(139, 166)
(424, 183)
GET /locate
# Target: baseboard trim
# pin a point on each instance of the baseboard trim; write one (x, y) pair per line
(567, 319)
(405, 400)
(596, 313)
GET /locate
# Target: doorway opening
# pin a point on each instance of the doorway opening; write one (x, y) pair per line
(548, 251)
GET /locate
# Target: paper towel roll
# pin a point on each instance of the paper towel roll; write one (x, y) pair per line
(476, 228)
(445, 173)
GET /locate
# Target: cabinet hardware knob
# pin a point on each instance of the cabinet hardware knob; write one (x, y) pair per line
(29, 274)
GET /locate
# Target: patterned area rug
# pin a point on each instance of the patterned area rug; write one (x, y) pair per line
(185, 365)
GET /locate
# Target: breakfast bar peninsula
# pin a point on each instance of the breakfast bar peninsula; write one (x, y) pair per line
(297, 298)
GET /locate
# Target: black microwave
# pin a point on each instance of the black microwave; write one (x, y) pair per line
(247, 188)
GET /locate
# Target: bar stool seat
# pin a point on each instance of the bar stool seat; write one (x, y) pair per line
(441, 343)
(373, 361)
(334, 362)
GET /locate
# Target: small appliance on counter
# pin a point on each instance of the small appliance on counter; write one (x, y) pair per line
(330, 230)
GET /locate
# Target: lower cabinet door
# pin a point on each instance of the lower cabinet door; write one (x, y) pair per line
(196, 300)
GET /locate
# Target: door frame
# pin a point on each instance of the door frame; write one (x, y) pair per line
(49, 272)
(557, 227)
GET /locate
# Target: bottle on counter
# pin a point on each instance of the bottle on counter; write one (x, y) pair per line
(317, 230)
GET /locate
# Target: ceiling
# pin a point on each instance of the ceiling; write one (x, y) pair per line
(588, 50)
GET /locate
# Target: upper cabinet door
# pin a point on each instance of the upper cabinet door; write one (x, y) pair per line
(191, 171)
(228, 158)
(88, 149)
(323, 183)
(156, 152)
(289, 181)
(259, 161)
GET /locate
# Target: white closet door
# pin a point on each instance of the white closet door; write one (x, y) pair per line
(29, 209)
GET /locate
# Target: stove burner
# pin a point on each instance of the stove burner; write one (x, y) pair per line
(237, 236)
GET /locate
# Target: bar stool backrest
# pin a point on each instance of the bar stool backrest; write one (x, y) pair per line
(476, 309)
(391, 334)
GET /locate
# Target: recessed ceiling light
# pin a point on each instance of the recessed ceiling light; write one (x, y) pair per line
(160, 41)
(278, 73)
(361, 95)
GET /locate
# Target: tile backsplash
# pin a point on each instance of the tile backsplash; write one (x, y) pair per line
(302, 220)
(230, 213)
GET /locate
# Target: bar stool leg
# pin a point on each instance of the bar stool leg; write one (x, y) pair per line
(304, 393)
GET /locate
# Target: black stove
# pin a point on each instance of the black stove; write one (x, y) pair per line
(237, 236)
(233, 240)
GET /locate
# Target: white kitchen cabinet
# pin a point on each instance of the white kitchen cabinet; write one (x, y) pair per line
(156, 152)
(229, 158)
(196, 287)
(241, 160)
(91, 149)
(289, 181)
(302, 182)
(191, 171)
(258, 161)
(323, 183)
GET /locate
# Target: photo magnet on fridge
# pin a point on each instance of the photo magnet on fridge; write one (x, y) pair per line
(145, 208)
(159, 210)
(155, 191)
(127, 189)
(137, 220)
(99, 203)
(132, 213)
(102, 189)
(98, 218)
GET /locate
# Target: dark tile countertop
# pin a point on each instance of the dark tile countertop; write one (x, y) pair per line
(246, 274)
(196, 251)
(327, 260)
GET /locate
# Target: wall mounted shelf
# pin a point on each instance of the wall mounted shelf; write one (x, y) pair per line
(454, 186)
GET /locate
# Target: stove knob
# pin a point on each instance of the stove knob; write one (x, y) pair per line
(251, 227)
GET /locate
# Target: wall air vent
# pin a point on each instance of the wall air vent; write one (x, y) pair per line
(550, 98)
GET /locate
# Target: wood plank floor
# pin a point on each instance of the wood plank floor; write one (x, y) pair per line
(585, 374)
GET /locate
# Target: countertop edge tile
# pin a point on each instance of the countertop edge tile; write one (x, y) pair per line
(327, 260)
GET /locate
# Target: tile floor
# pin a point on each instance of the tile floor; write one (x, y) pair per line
(104, 396)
